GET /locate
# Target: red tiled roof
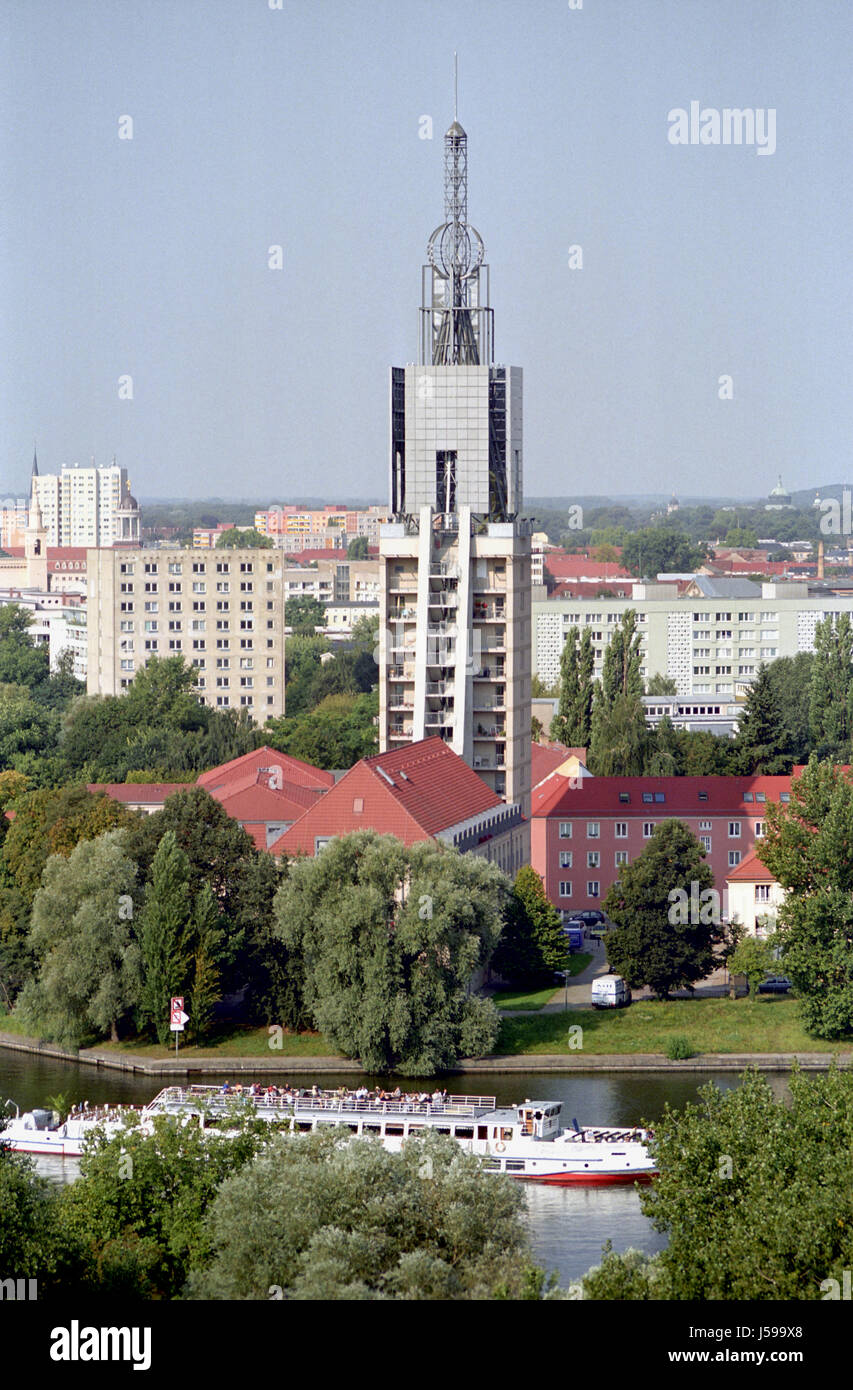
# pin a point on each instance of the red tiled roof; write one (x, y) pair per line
(579, 567)
(558, 796)
(294, 770)
(751, 870)
(412, 792)
(148, 793)
(545, 758)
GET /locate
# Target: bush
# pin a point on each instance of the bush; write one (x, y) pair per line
(678, 1049)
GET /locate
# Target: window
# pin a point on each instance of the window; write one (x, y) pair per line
(703, 796)
(593, 888)
(565, 889)
(762, 892)
(593, 859)
(565, 858)
(734, 858)
(784, 796)
(565, 830)
(705, 842)
(660, 796)
(705, 825)
(647, 796)
(620, 857)
(734, 829)
(625, 797)
(593, 829)
(747, 796)
(648, 829)
(759, 829)
(621, 830)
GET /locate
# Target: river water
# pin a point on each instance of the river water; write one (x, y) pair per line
(568, 1226)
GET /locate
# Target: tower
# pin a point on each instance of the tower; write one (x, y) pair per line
(455, 560)
(35, 538)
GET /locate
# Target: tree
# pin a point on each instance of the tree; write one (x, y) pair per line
(303, 614)
(790, 680)
(81, 935)
(619, 740)
(623, 658)
(384, 941)
(830, 696)
(662, 750)
(661, 685)
(753, 1196)
(340, 1218)
(358, 548)
(26, 725)
(760, 743)
(571, 723)
(753, 957)
(741, 537)
(533, 944)
(142, 1234)
(654, 550)
(165, 934)
(220, 853)
(665, 929)
(808, 847)
(339, 731)
(22, 662)
(206, 992)
(53, 822)
(249, 539)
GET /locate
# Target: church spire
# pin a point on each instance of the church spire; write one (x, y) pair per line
(35, 471)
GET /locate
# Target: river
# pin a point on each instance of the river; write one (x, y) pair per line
(568, 1226)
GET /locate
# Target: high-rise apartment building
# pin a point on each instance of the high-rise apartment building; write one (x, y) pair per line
(222, 611)
(87, 506)
(455, 611)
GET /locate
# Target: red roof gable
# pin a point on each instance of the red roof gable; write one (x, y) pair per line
(545, 758)
(579, 567)
(412, 792)
(558, 796)
(751, 870)
(293, 770)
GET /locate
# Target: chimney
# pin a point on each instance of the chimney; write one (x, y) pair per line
(820, 564)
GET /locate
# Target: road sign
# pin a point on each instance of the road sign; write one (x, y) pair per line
(177, 1017)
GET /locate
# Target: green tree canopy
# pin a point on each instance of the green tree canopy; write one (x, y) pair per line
(339, 1218)
(384, 940)
(237, 539)
(754, 1197)
(53, 822)
(808, 847)
(572, 722)
(665, 933)
(533, 944)
(358, 548)
(655, 550)
(81, 934)
(762, 742)
(831, 692)
(339, 731)
(303, 614)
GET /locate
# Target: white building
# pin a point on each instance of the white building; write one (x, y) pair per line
(710, 646)
(89, 507)
(754, 896)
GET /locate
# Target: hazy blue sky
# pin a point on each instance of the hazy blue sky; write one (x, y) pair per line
(255, 126)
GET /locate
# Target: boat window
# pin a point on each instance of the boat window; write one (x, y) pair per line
(464, 1132)
(394, 1129)
(482, 1131)
(442, 1129)
(304, 1125)
(506, 1134)
(372, 1129)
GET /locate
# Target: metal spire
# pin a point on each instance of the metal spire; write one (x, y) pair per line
(458, 310)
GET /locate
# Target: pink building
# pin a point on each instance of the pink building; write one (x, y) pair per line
(582, 830)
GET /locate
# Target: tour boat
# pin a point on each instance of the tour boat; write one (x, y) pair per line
(525, 1140)
(44, 1131)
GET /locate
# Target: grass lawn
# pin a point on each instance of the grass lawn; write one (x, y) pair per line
(524, 999)
(232, 1042)
(578, 961)
(771, 1024)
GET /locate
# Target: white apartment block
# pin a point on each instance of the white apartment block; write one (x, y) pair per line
(222, 611)
(87, 506)
(708, 646)
(14, 515)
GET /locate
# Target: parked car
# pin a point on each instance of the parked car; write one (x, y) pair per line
(591, 916)
(574, 932)
(610, 992)
(774, 984)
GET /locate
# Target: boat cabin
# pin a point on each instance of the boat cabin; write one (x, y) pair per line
(539, 1119)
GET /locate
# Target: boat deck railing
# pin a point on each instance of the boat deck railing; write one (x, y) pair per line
(217, 1099)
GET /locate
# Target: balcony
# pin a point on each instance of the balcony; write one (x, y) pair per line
(440, 688)
(399, 729)
(490, 672)
(485, 613)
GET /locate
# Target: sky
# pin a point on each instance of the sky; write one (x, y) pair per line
(702, 347)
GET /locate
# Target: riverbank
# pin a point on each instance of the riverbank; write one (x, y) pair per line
(281, 1064)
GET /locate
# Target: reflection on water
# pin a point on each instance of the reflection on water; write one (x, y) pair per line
(568, 1226)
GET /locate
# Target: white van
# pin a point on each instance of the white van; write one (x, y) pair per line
(610, 992)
